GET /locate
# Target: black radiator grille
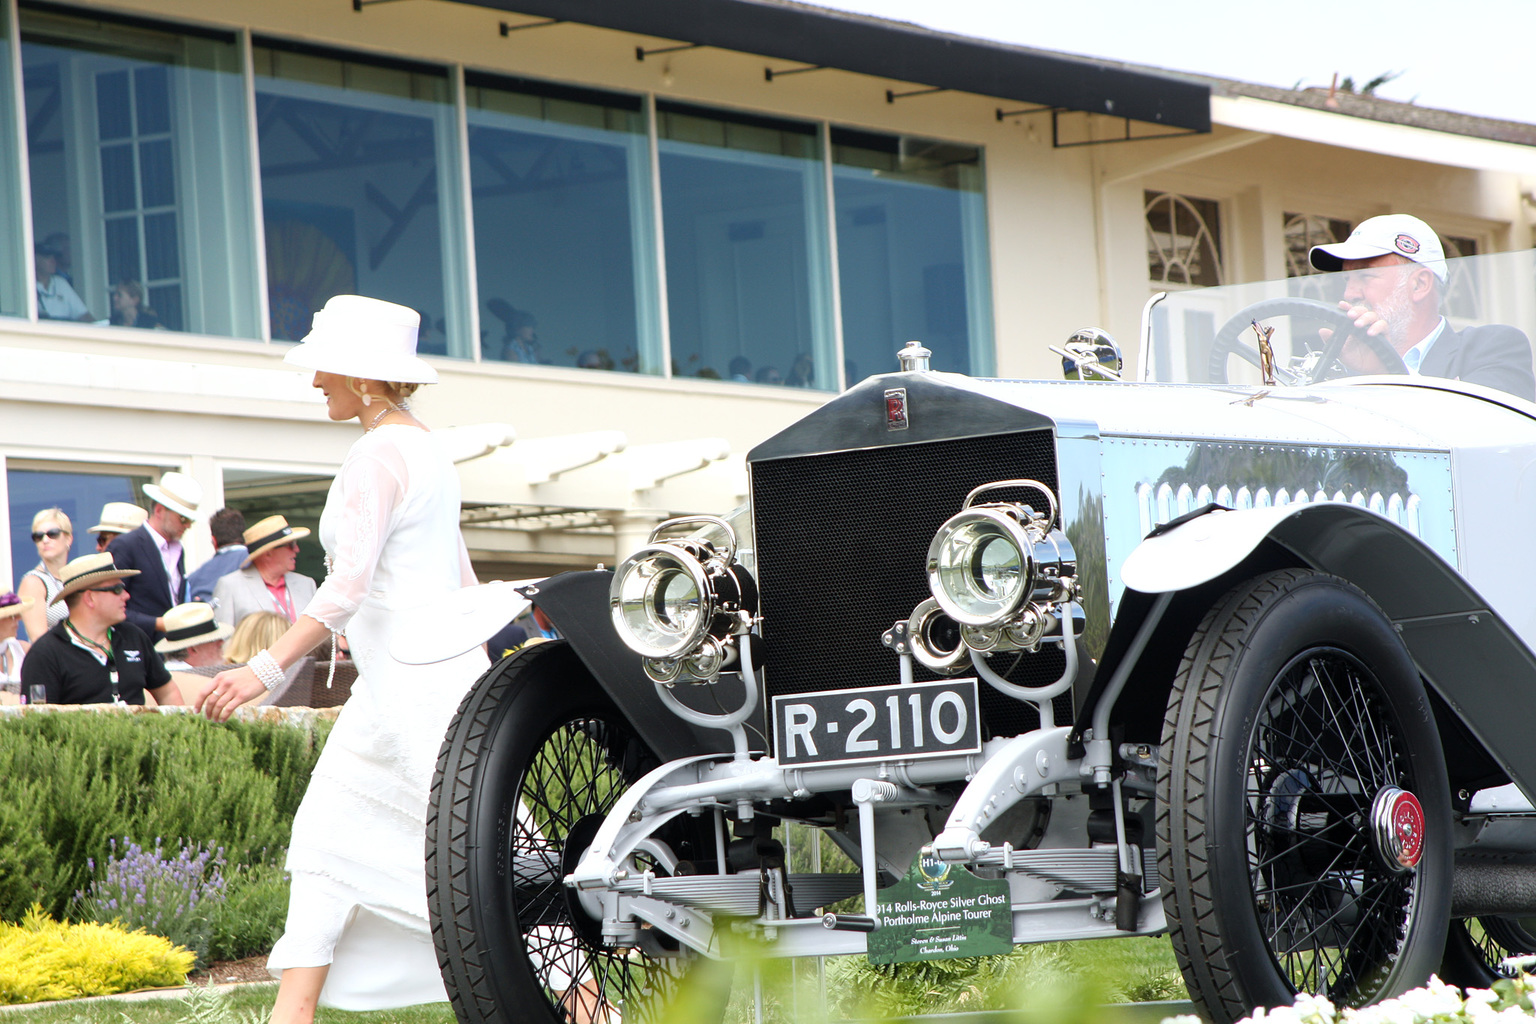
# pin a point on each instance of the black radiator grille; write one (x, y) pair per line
(841, 542)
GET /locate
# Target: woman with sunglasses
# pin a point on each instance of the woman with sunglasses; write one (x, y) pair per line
(358, 936)
(52, 532)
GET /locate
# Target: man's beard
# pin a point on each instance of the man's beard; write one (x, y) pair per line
(1396, 311)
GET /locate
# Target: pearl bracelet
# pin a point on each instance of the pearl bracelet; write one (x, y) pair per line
(267, 670)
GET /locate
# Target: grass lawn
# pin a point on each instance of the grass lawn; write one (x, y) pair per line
(1108, 970)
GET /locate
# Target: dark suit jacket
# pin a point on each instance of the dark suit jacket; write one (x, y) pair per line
(149, 593)
(1495, 355)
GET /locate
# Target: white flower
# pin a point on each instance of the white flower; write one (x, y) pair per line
(1183, 1018)
(1436, 999)
(1314, 1009)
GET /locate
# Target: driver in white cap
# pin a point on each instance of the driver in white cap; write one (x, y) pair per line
(154, 549)
(1395, 287)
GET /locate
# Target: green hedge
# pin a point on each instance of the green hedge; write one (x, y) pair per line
(73, 780)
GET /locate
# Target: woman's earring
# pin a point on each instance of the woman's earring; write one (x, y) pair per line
(367, 398)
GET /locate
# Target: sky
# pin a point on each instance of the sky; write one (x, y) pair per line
(1471, 56)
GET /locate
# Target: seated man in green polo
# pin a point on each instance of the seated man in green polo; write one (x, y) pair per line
(95, 656)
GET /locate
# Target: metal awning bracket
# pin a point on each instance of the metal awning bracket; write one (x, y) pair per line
(507, 29)
(1057, 143)
(891, 96)
(769, 74)
(641, 52)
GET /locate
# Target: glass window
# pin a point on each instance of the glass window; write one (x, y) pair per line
(912, 256)
(1183, 240)
(743, 201)
(13, 265)
(354, 157)
(564, 244)
(139, 163)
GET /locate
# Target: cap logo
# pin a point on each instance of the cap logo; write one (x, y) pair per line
(1406, 244)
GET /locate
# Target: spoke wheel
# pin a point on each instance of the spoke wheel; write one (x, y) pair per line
(534, 761)
(1304, 814)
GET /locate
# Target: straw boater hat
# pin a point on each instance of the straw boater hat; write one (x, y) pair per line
(268, 534)
(11, 605)
(177, 492)
(88, 571)
(356, 336)
(188, 625)
(120, 517)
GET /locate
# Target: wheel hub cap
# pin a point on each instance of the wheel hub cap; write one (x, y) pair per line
(1397, 826)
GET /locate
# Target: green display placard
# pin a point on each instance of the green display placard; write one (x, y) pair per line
(941, 911)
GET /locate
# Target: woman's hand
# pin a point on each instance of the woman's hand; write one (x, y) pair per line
(227, 691)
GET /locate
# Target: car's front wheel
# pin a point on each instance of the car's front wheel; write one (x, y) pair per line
(1304, 815)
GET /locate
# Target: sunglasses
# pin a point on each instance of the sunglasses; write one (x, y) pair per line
(116, 588)
(53, 534)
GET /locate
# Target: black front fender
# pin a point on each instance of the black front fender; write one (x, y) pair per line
(577, 604)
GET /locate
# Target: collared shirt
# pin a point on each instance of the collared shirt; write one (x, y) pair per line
(202, 580)
(1414, 357)
(76, 674)
(279, 592)
(170, 554)
(58, 301)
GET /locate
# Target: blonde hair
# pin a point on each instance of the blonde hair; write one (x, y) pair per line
(254, 633)
(57, 515)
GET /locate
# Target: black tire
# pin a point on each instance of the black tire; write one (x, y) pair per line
(535, 731)
(1231, 340)
(1295, 707)
(1476, 946)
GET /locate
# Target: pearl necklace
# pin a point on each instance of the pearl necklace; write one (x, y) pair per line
(402, 407)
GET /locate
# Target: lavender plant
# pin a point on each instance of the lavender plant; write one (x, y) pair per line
(170, 895)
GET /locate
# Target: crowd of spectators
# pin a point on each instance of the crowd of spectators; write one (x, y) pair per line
(129, 624)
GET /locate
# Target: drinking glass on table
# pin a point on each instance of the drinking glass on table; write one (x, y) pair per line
(37, 693)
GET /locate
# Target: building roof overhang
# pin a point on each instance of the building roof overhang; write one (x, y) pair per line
(819, 37)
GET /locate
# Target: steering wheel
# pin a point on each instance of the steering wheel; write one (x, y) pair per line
(1229, 340)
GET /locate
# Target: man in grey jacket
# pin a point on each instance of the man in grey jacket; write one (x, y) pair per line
(266, 581)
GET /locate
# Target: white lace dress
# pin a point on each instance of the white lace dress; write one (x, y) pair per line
(358, 902)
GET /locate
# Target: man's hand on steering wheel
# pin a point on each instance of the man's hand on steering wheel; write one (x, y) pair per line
(1357, 355)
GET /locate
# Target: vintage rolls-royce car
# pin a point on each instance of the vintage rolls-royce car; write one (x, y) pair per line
(1238, 647)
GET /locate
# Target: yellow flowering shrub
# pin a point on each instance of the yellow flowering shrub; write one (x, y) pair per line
(42, 959)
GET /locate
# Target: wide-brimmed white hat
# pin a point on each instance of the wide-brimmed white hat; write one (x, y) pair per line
(177, 492)
(366, 338)
(190, 624)
(1398, 233)
(11, 605)
(120, 517)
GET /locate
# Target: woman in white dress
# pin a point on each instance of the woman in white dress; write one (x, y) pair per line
(11, 651)
(358, 936)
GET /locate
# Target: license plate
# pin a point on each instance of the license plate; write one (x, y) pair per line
(877, 723)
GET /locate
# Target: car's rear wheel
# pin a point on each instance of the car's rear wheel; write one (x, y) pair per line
(1300, 769)
(535, 759)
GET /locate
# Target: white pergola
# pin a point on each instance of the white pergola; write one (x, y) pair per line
(586, 497)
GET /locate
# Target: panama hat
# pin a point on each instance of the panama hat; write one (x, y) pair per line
(177, 492)
(268, 534)
(87, 571)
(120, 517)
(11, 605)
(370, 339)
(1397, 233)
(188, 625)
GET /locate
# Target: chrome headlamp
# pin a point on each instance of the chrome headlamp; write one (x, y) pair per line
(675, 601)
(988, 563)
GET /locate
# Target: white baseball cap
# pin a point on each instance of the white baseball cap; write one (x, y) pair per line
(1398, 233)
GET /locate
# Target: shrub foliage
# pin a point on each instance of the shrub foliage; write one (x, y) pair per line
(76, 781)
(41, 959)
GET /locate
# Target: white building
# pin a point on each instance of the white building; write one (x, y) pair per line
(607, 211)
